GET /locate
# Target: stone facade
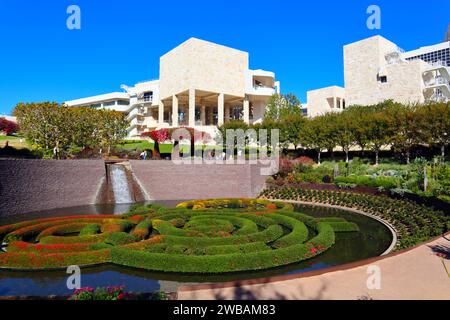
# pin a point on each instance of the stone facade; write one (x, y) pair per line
(202, 65)
(201, 85)
(326, 100)
(366, 63)
(375, 70)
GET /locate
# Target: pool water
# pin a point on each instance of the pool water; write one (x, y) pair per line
(372, 240)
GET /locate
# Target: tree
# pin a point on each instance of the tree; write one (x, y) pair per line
(112, 128)
(46, 124)
(291, 129)
(281, 106)
(434, 124)
(405, 128)
(268, 125)
(359, 120)
(314, 136)
(378, 129)
(84, 128)
(328, 127)
(344, 132)
(232, 125)
(8, 127)
(49, 124)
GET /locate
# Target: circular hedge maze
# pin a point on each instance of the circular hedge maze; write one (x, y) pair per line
(211, 236)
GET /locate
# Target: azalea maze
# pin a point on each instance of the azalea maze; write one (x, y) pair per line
(211, 236)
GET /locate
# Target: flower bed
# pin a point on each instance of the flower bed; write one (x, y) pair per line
(413, 222)
(211, 236)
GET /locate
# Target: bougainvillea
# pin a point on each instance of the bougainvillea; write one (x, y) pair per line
(165, 135)
(8, 127)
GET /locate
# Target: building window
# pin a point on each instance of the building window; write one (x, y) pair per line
(96, 106)
(148, 96)
(123, 102)
(109, 103)
(382, 79)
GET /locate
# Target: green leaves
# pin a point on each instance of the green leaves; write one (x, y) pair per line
(282, 106)
(49, 124)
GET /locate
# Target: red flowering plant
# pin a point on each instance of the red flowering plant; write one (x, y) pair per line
(8, 127)
(286, 167)
(108, 293)
(307, 161)
(165, 135)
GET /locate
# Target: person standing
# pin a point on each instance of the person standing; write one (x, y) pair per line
(56, 152)
(143, 155)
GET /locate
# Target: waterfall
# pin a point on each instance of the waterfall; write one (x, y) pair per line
(120, 185)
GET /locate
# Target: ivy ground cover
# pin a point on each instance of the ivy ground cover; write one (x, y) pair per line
(211, 236)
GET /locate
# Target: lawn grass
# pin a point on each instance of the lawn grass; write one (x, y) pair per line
(15, 142)
(134, 145)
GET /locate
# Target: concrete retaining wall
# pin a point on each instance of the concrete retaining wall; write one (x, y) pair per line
(35, 185)
(163, 180)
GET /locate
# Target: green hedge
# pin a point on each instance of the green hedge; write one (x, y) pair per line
(369, 181)
(415, 223)
(222, 263)
(212, 236)
(90, 229)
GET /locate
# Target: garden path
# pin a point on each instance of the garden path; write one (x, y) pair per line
(418, 273)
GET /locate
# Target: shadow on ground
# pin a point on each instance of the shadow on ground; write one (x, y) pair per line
(441, 250)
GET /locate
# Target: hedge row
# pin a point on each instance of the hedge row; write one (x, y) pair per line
(221, 263)
(209, 236)
(414, 223)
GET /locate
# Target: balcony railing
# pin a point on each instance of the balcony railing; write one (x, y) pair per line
(439, 63)
(264, 90)
(145, 100)
(436, 81)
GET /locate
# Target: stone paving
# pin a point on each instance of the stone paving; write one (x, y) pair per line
(417, 274)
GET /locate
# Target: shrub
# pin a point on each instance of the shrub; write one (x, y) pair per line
(90, 229)
(119, 238)
(307, 161)
(414, 223)
(369, 181)
(142, 230)
(211, 236)
(108, 293)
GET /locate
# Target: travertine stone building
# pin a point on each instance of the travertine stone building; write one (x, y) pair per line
(201, 85)
(376, 69)
(325, 100)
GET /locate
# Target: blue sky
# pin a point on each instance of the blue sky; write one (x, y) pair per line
(120, 42)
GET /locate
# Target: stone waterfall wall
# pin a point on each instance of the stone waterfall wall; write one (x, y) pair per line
(34, 185)
(163, 180)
